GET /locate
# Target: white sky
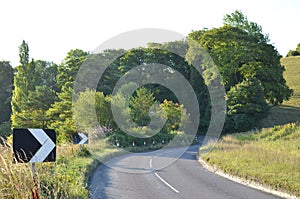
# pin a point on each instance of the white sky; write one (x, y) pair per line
(52, 28)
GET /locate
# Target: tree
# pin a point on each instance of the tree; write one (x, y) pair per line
(24, 53)
(239, 55)
(294, 52)
(60, 111)
(34, 91)
(238, 20)
(6, 85)
(241, 51)
(175, 116)
(68, 69)
(91, 110)
(60, 114)
(246, 105)
(140, 106)
(25, 81)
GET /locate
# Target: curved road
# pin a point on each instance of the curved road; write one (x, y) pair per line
(160, 174)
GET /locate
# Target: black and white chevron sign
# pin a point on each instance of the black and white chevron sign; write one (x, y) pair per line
(34, 145)
(80, 138)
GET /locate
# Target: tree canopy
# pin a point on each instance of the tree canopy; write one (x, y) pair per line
(241, 51)
(43, 93)
(294, 52)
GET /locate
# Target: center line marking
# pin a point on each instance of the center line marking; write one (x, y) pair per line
(170, 186)
(160, 178)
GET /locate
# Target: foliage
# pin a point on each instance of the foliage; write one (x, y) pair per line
(241, 51)
(238, 20)
(240, 54)
(294, 52)
(34, 91)
(92, 109)
(175, 115)
(5, 129)
(148, 116)
(6, 86)
(67, 70)
(61, 115)
(60, 111)
(246, 105)
(171, 54)
(140, 106)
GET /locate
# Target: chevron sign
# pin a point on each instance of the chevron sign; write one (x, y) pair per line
(34, 145)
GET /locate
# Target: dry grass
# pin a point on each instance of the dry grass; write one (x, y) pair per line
(65, 178)
(270, 157)
(292, 75)
(16, 180)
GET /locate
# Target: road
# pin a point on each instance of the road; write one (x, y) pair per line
(163, 174)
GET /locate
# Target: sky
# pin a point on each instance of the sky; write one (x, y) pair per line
(52, 28)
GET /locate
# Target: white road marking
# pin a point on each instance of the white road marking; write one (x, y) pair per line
(170, 186)
(161, 179)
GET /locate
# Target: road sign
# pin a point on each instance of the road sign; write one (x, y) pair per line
(34, 145)
(84, 138)
(80, 138)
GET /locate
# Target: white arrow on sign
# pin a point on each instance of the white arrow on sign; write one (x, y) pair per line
(83, 138)
(46, 142)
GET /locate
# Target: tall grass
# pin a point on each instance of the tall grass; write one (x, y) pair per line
(65, 178)
(16, 180)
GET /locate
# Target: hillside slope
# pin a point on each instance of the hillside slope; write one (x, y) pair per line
(290, 110)
(269, 157)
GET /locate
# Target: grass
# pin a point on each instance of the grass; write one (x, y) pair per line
(270, 157)
(290, 110)
(65, 178)
(292, 75)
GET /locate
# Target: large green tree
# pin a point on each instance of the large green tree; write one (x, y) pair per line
(34, 91)
(241, 51)
(61, 111)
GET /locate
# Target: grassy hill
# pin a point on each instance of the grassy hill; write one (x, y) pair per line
(292, 76)
(270, 157)
(290, 110)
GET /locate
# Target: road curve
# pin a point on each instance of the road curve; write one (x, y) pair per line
(160, 174)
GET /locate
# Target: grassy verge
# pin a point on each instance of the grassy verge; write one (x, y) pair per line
(270, 157)
(65, 178)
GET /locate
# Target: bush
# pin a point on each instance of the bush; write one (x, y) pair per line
(5, 129)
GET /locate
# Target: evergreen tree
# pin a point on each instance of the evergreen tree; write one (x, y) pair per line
(33, 91)
(61, 110)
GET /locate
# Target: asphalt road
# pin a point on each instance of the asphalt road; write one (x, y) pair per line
(163, 174)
